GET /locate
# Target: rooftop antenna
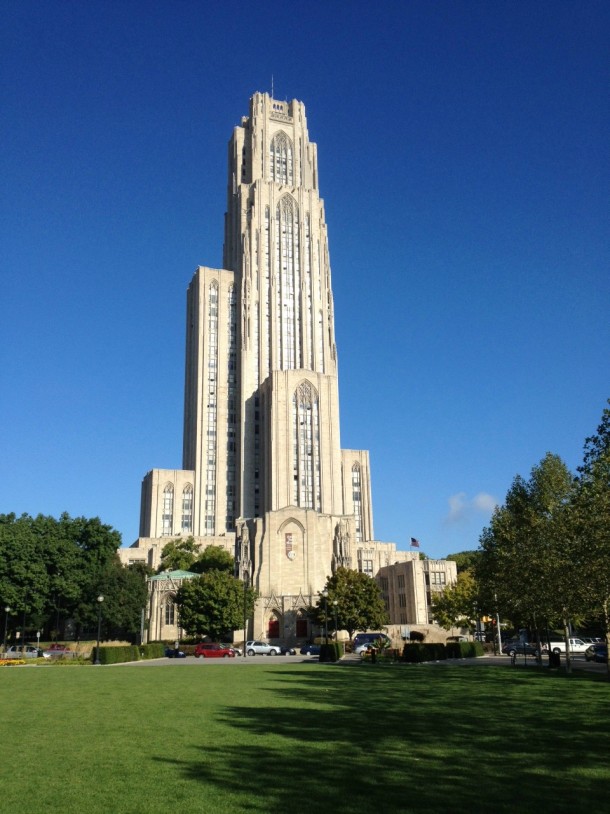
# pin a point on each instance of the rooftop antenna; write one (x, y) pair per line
(272, 86)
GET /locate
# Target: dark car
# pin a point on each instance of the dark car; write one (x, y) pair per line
(174, 653)
(310, 650)
(521, 648)
(214, 651)
(597, 652)
(288, 651)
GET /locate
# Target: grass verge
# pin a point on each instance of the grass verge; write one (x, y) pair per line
(301, 737)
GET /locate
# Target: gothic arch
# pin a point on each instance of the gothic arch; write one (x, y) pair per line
(281, 159)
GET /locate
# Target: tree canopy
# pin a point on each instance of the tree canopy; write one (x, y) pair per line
(213, 604)
(52, 570)
(359, 605)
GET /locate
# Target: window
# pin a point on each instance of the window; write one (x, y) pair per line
(357, 498)
(280, 159)
(168, 511)
(306, 447)
(170, 612)
(302, 628)
(187, 509)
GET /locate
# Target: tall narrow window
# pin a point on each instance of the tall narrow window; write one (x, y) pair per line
(210, 502)
(280, 159)
(306, 447)
(287, 284)
(231, 409)
(168, 511)
(357, 499)
(170, 611)
(187, 509)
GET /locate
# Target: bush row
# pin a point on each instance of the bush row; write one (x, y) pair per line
(415, 653)
(129, 652)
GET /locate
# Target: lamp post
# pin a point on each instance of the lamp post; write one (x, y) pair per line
(100, 599)
(325, 595)
(6, 613)
(335, 603)
(246, 582)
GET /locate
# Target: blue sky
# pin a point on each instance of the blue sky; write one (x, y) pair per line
(464, 163)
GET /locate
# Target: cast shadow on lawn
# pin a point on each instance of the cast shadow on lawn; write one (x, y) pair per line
(415, 740)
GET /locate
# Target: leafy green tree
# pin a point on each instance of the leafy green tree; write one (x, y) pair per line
(54, 568)
(213, 558)
(213, 604)
(465, 560)
(527, 558)
(178, 555)
(360, 605)
(457, 605)
(591, 519)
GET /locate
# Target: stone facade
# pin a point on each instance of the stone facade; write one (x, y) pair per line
(263, 472)
(408, 588)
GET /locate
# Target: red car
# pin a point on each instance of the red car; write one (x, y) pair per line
(213, 651)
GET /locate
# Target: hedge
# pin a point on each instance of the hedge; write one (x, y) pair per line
(415, 653)
(128, 652)
(332, 651)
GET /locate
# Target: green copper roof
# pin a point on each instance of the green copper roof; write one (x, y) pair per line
(175, 575)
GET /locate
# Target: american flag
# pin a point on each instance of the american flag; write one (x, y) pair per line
(414, 542)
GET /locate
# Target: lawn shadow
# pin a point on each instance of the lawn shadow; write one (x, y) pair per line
(414, 739)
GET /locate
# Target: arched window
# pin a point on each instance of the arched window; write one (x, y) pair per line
(287, 284)
(168, 511)
(280, 159)
(306, 447)
(187, 509)
(170, 611)
(357, 499)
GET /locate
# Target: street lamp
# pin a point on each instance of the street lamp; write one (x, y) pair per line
(100, 599)
(246, 581)
(6, 612)
(325, 595)
(335, 603)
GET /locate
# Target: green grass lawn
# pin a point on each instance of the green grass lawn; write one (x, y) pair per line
(301, 738)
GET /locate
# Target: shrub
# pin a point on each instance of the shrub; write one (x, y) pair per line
(152, 650)
(464, 650)
(332, 651)
(116, 655)
(418, 652)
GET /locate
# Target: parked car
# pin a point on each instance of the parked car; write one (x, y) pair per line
(288, 651)
(237, 650)
(58, 651)
(214, 651)
(174, 653)
(18, 651)
(457, 638)
(597, 652)
(258, 648)
(369, 638)
(310, 650)
(522, 648)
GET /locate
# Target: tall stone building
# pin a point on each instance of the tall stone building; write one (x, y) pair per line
(263, 472)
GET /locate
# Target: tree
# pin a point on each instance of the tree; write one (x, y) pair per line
(464, 560)
(178, 555)
(359, 606)
(213, 558)
(457, 605)
(591, 519)
(528, 559)
(213, 604)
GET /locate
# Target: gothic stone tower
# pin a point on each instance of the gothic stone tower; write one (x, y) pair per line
(263, 471)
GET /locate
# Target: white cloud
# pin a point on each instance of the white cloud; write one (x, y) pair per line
(461, 507)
